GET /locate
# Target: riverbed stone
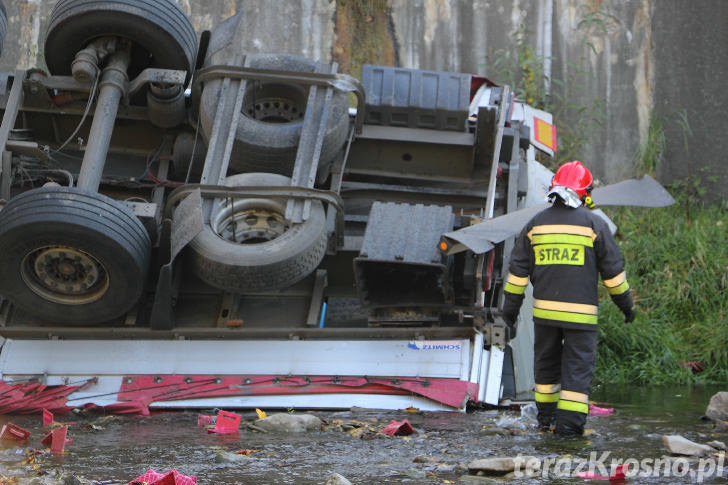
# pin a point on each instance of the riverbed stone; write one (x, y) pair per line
(476, 480)
(683, 446)
(424, 459)
(337, 479)
(289, 423)
(492, 465)
(718, 407)
(229, 457)
(718, 445)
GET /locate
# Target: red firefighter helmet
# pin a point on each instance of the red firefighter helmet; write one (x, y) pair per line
(574, 176)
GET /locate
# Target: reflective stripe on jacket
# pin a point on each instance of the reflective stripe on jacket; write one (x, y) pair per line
(563, 251)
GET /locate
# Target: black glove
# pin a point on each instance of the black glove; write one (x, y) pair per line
(629, 315)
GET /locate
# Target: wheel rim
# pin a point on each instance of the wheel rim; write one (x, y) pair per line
(275, 104)
(63, 274)
(250, 222)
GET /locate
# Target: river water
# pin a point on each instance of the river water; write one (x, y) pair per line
(117, 449)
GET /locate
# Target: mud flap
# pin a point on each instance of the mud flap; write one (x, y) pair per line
(185, 225)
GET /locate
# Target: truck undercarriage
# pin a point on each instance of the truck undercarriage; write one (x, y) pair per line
(214, 229)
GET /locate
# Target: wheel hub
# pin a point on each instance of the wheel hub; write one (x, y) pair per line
(64, 275)
(276, 104)
(252, 226)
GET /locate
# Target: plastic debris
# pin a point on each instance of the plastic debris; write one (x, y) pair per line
(693, 365)
(398, 428)
(597, 411)
(246, 452)
(57, 440)
(226, 423)
(47, 417)
(617, 475)
(205, 420)
(172, 477)
(14, 432)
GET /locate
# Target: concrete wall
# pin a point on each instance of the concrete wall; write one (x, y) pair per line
(631, 58)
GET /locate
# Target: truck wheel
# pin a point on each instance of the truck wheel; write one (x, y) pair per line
(71, 257)
(248, 245)
(3, 25)
(272, 119)
(161, 33)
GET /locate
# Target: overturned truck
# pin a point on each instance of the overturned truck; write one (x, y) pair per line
(187, 225)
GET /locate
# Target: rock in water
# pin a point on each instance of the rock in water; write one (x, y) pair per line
(336, 479)
(718, 407)
(683, 446)
(293, 423)
(492, 465)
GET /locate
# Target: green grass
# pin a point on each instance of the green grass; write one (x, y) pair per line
(678, 272)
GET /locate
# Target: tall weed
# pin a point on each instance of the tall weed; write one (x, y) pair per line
(678, 274)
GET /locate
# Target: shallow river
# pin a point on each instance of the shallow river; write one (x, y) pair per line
(121, 448)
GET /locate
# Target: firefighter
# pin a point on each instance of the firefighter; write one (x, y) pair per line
(563, 250)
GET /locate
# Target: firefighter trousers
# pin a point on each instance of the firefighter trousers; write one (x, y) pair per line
(564, 362)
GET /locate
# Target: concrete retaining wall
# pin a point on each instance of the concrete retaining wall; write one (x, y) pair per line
(637, 58)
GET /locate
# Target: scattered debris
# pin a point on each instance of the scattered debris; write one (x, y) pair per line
(47, 418)
(678, 445)
(14, 432)
(597, 411)
(398, 428)
(172, 477)
(617, 474)
(284, 422)
(261, 414)
(57, 440)
(226, 423)
(717, 409)
(205, 420)
(336, 479)
(693, 365)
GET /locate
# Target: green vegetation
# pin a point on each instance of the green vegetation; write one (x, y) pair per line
(678, 274)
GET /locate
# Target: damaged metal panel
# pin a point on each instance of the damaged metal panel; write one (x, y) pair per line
(400, 263)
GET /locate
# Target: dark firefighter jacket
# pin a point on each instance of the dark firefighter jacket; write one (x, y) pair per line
(563, 251)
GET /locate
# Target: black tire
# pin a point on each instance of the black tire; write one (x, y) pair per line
(276, 263)
(267, 136)
(161, 33)
(56, 236)
(3, 26)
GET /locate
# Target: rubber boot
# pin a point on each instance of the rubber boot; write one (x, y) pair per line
(546, 415)
(569, 424)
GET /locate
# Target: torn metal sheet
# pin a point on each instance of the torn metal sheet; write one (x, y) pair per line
(644, 192)
(482, 237)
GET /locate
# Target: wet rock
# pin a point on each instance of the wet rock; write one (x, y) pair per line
(336, 479)
(416, 474)
(70, 480)
(424, 459)
(229, 457)
(683, 446)
(492, 465)
(718, 407)
(476, 480)
(45, 481)
(718, 445)
(289, 423)
(494, 431)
